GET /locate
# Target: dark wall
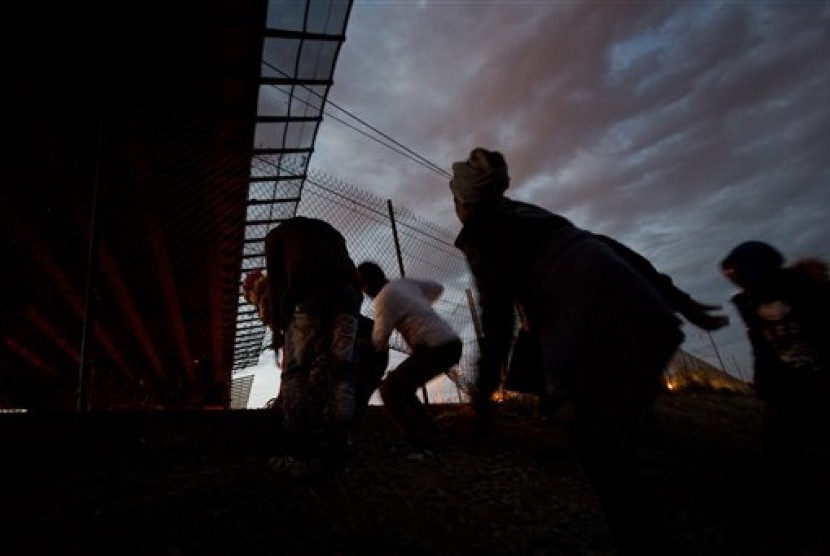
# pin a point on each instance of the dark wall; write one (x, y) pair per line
(123, 209)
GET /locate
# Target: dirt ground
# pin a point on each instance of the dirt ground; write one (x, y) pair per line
(197, 484)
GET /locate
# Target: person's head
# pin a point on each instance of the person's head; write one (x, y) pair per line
(751, 263)
(372, 278)
(478, 181)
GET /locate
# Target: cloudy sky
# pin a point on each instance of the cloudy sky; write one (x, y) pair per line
(681, 129)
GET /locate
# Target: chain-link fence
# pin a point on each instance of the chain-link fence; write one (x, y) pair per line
(391, 236)
(375, 230)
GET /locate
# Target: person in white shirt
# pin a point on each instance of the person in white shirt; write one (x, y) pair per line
(405, 305)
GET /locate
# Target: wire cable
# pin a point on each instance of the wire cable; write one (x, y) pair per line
(407, 152)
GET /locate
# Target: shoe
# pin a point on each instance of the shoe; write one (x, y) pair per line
(294, 467)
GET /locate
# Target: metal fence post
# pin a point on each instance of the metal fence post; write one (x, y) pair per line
(92, 267)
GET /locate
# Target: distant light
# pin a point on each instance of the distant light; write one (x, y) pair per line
(13, 410)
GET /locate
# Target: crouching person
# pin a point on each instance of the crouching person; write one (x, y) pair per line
(406, 305)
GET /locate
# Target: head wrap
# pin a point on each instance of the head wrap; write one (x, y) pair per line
(753, 261)
(476, 179)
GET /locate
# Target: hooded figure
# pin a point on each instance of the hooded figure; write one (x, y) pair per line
(787, 315)
(605, 320)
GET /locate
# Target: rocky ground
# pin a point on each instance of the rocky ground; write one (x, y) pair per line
(197, 484)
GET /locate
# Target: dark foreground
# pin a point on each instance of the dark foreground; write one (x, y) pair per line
(196, 484)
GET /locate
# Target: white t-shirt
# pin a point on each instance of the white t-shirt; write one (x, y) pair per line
(405, 304)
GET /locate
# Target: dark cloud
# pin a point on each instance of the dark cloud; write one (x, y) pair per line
(681, 129)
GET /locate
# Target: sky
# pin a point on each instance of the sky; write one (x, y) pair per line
(679, 128)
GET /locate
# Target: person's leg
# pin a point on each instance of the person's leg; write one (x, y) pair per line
(340, 387)
(398, 391)
(782, 445)
(369, 365)
(607, 423)
(608, 450)
(302, 336)
(369, 370)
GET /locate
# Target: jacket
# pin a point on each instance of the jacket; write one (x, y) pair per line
(308, 262)
(602, 312)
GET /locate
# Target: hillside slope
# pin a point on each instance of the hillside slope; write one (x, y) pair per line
(182, 484)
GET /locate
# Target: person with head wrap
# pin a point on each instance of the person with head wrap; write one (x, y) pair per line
(606, 324)
(786, 311)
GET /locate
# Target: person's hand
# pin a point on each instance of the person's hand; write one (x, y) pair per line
(249, 284)
(250, 279)
(698, 314)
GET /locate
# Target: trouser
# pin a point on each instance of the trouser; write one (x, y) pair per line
(791, 423)
(606, 431)
(609, 456)
(318, 384)
(399, 390)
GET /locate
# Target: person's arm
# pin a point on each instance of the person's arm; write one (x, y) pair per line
(432, 290)
(384, 319)
(262, 292)
(497, 327)
(692, 310)
(764, 360)
(497, 317)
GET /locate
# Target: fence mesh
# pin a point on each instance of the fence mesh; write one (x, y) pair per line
(369, 224)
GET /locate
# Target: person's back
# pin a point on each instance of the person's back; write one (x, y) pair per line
(582, 291)
(306, 255)
(405, 304)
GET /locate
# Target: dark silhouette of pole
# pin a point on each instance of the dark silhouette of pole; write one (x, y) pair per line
(88, 325)
(395, 236)
(400, 267)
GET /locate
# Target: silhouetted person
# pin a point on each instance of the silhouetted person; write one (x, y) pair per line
(787, 315)
(606, 324)
(405, 305)
(315, 303)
